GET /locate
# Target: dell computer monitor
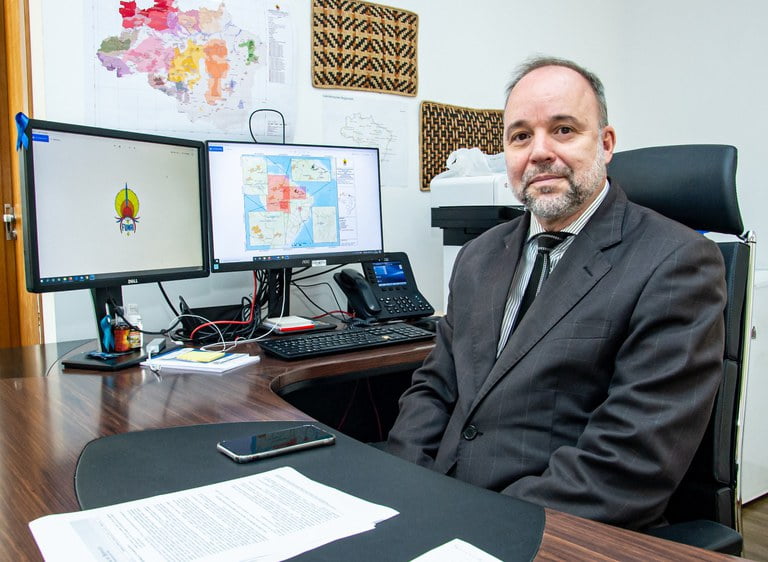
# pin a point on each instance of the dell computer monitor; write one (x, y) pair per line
(278, 206)
(105, 208)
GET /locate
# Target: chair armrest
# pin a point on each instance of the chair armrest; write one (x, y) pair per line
(703, 534)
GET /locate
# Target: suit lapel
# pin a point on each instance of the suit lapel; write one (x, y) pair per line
(582, 266)
(503, 267)
(491, 309)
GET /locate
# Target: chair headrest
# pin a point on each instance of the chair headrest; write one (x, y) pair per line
(693, 184)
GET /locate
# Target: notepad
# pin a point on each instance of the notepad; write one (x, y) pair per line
(200, 355)
(199, 361)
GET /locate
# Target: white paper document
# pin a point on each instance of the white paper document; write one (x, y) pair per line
(269, 516)
(456, 550)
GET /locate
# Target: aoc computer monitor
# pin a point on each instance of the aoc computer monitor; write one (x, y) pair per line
(279, 206)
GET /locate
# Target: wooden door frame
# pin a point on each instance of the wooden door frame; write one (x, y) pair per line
(23, 319)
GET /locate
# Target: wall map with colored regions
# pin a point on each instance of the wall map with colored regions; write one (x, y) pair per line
(199, 57)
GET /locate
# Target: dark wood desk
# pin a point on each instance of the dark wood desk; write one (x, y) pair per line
(45, 421)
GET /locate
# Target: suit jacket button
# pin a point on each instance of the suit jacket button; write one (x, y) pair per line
(470, 432)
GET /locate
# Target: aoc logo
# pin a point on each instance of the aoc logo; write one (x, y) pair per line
(127, 207)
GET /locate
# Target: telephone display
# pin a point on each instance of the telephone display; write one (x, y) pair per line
(389, 273)
(386, 290)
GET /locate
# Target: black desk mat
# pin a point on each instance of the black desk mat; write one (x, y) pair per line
(433, 508)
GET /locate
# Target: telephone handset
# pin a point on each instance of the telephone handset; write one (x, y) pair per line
(386, 290)
(356, 287)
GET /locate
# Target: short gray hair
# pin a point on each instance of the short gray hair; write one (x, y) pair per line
(540, 61)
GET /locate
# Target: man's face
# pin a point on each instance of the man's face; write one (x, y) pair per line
(554, 148)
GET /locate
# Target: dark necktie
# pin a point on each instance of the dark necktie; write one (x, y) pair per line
(546, 242)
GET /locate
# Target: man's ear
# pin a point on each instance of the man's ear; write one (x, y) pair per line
(608, 138)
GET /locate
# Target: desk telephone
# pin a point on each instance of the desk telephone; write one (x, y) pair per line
(385, 291)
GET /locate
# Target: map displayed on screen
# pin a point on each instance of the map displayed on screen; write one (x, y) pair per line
(289, 202)
(277, 202)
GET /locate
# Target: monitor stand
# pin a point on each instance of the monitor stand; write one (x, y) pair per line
(278, 292)
(104, 299)
(85, 360)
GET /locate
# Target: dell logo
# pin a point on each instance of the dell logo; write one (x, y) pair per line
(133, 281)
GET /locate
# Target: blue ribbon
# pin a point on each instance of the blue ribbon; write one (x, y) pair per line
(107, 338)
(21, 131)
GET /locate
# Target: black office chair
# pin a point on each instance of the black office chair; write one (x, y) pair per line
(696, 185)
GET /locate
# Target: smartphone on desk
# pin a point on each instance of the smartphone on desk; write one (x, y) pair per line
(272, 443)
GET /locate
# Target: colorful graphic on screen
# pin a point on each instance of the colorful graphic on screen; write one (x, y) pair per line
(127, 207)
(290, 201)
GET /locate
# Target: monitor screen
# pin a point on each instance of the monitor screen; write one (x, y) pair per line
(109, 208)
(278, 205)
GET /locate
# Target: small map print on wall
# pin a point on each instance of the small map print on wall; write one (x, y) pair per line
(365, 120)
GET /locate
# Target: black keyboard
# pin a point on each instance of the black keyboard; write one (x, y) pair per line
(351, 339)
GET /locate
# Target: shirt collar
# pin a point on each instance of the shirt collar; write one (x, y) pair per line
(576, 226)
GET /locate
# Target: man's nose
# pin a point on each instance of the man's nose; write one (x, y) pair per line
(541, 148)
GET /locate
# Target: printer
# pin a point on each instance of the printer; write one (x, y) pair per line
(466, 206)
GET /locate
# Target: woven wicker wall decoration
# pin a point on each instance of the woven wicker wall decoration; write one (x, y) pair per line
(445, 128)
(364, 46)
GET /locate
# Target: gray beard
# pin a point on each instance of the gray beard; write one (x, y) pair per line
(569, 202)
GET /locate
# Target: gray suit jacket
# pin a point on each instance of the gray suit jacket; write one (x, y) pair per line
(603, 392)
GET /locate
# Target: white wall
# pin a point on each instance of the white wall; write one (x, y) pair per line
(675, 72)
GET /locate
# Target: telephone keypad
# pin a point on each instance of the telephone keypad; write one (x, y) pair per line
(405, 303)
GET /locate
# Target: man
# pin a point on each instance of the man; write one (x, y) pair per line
(594, 400)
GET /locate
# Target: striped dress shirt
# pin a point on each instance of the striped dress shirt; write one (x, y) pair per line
(525, 266)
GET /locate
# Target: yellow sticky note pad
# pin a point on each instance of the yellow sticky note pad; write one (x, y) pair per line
(200, 356)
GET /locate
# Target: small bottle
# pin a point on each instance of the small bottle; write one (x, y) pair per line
(120, 332)
(132, 316)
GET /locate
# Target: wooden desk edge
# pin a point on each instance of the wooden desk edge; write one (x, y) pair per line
(568, 537)
(565, 537)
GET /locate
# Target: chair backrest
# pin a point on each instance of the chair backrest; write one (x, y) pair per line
(696, 185)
